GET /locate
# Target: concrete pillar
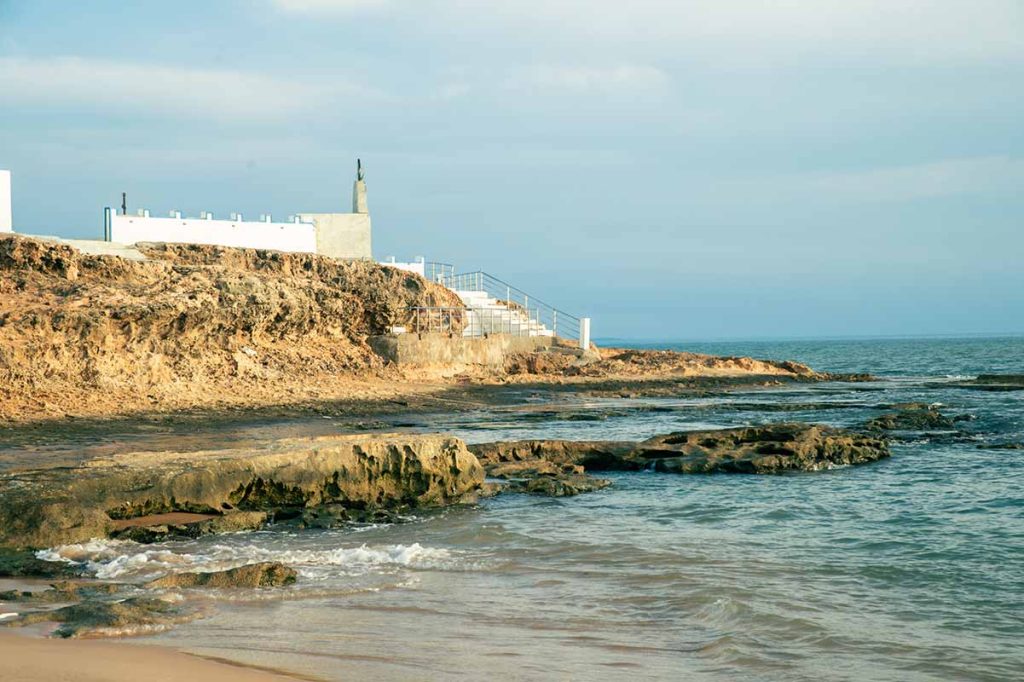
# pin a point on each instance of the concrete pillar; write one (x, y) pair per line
(6, 222)
(585, 333)
(359, 204)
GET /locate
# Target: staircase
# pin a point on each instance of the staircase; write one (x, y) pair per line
(492, 306)
(487, 315)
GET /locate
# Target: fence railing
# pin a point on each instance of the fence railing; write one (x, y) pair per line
(543, 315)
(438, 272)
(446, 320)
(474, 322)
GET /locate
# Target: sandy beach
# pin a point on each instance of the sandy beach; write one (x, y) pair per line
(31, 659)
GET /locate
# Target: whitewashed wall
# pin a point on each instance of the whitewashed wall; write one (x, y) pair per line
(295, 237)
(418, 267)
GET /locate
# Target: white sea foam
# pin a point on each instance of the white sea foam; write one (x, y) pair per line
(114, 559)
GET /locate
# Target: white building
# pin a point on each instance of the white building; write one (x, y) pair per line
(338, 235)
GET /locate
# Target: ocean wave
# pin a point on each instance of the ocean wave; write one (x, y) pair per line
(119, 559)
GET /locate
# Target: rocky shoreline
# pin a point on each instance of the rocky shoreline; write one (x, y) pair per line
(325, 482)
(336, 481)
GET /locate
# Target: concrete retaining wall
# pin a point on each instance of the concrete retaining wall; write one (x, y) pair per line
(443, 349)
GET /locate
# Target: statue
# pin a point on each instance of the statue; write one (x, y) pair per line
(359, 170)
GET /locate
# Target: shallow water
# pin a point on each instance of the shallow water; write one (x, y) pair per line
(907, 569)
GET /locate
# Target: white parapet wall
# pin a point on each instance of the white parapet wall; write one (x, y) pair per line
(417, 266)
(298, 237)
(6, 223)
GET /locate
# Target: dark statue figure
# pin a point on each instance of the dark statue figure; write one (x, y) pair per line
(359, 169)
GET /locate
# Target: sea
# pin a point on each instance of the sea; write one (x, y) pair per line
(910, 568)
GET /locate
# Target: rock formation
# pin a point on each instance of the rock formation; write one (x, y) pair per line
(773, 448)
(912, 417)
(766, 449)
(266, 574)
(191, 325)
(129, 616)
(991, 382)
(46, 507)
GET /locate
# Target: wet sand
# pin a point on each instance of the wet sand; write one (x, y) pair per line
(31, 659)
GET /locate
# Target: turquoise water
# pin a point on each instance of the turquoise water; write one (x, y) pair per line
(911, 568)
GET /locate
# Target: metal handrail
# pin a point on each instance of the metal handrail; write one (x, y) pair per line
(473, 322)
(438, 272)
(485, 278)
(558, 321)
(447, 319)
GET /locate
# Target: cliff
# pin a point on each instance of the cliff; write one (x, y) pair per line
(190, 325)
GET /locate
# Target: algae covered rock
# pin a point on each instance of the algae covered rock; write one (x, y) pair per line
(773, 448)
(267, 574)
(992, 382)
(560, 485)
(912, 417)
(63, 591)
(19, 563)
(135, 615)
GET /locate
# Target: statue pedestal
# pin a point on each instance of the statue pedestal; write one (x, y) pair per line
(359, 204)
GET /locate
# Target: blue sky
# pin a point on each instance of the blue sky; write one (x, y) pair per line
(675, 169)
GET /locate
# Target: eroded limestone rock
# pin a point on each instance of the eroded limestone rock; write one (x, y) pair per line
(16, 563)
(43, 508)
(559, 485)
(770, 448)
(144, 532)
(912, 417)
(266, 574)
(766, 449)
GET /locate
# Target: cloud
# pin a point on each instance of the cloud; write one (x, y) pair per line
(154, 89)
(922, 181)
(625, 78)
(329, 6)
(742, 31)
(943, 178)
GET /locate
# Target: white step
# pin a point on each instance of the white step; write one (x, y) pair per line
(490, 316)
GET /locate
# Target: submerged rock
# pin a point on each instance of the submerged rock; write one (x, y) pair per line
(991, 382)
(58, 506)
(559, 485)
(16, 563)
(267, 574)
(759, 450)
(129, 616)
(770, 448)
(338, 516)
(64, 591)
(553, 468)
(912, 417)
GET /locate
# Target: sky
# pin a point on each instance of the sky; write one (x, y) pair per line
(674, 169)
